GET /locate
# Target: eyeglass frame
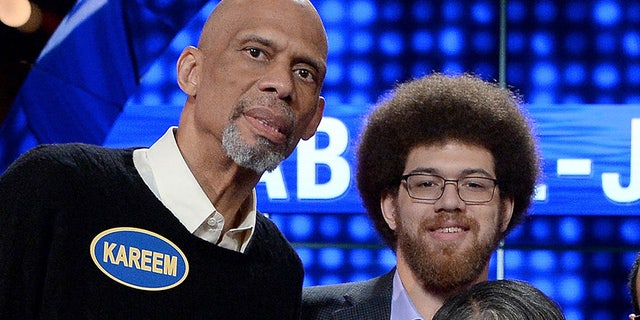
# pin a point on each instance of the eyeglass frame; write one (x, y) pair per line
(454, 181)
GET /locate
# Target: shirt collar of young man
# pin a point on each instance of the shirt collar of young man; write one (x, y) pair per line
(402, 307)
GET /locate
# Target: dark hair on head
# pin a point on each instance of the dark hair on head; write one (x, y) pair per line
(500, 300)
(633, 278)
(434, 110)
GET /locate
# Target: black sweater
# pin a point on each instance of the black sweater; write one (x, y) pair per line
(56, 199)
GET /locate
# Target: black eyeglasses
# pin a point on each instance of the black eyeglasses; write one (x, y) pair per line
(424, 186)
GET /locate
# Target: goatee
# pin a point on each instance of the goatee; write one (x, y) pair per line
(264, 155)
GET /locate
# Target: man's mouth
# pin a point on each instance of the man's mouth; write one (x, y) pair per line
(450, 230)
(272, 126)
(266, 124)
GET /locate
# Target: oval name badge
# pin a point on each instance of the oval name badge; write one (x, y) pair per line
(139, 258)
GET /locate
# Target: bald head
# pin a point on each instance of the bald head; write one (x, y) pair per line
(298, 18)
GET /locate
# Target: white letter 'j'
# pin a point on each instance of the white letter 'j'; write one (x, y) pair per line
(611, 180)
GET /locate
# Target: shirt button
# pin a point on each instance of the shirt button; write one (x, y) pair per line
(211, 222)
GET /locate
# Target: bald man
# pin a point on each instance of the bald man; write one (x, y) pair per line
(172, 231)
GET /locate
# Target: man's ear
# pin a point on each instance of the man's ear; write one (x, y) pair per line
(507, 212)
(388, 206)
(188, 68)
(315, 121)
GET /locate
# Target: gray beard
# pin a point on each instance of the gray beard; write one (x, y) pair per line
(264, 156)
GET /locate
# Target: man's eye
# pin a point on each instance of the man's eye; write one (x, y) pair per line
(304, 73)
(256, 53)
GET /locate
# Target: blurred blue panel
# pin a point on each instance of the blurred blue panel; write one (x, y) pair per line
(453, 10)
(603, 229)
(485, 42)
(606, 75)
(633, 74)
(329, 279)
(338, 43)
(422, 41)
(602, 261)
(570, 230)
(362, 41)
(300, 227)
(517, 11)
(420, 69)
(360, 98)
(541, 229)
(453, 68)
(575, 73)
(571, 260)
(602, 290)
(631, 44)
(360, 229)
(572, 289)
(573, 313)
(542, 44)
(572, 98)
(361, 73)
(391, 43)
(542, 261)
(485, 71)
(306, 256)
(451, 41)
(629, 231)
(387, 259)
(331, 258)
(632, 12)
(363, 12)
(576, 43)
(515, 260)
(577, 11)
(329, 226)
(332, 12)
(392, 11)
(391, 72)
(361, 258)
(335, 72)
(484, 12)
(548, 286)
(606, 12)
(422, 10)
(607, 43)
(544, 74)
(516, 42)
(545, 11)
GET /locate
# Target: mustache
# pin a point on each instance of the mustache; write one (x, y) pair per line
(442, 218)
(269, 100)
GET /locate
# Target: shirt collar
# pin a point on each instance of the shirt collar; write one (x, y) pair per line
(401, 305)
(179, 190)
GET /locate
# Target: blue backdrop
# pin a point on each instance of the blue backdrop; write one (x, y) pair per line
(108, 77)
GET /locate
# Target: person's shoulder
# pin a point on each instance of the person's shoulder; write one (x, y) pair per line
(381, 285)
(322, 302)
(65, 153)
(332, 292)
(62, 162)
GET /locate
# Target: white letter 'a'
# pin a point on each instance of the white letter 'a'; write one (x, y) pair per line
(309, 156)
(611, 180)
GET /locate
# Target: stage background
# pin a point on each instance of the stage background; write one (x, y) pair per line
(576, 64)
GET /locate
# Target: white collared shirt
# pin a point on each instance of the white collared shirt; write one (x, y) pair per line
(402, 307)
(166, 173)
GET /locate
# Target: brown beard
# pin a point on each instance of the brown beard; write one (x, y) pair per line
(445, 271)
